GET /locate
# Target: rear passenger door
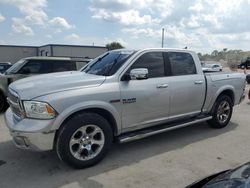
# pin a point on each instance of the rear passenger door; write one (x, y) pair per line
(187, 87)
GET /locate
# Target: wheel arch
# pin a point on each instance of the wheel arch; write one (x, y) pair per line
(105, 110)
(100, 111)
(229, 91)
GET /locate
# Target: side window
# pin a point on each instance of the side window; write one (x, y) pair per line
(35, 67)
(31, 67)
(216, 66)
(153, 61)
(60, 66)
(181, 63)
(2, 67)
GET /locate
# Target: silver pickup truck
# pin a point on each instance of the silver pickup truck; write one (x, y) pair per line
(122, 95)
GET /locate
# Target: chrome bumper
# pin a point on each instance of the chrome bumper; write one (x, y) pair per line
(30, 134)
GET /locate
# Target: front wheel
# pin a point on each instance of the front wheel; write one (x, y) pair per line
(222, 112)
(84, 140)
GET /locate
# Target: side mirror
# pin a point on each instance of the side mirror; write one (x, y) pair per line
(139, 74)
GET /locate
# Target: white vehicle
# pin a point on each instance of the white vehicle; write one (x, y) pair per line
(212, 68)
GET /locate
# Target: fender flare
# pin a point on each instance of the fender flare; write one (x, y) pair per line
(85, 106)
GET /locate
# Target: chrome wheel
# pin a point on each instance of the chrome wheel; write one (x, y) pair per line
(223, 112)
(87, 142)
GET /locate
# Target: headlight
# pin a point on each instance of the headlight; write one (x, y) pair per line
(38, 110)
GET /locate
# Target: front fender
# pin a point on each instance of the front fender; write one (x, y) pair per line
(84, 106)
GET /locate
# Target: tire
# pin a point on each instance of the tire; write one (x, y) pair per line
(248, 79)
(3, 102)
(84, 140)
(222, 112)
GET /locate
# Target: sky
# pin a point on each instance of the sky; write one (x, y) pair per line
(200, 25)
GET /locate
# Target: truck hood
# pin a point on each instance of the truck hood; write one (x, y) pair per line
(35, 86)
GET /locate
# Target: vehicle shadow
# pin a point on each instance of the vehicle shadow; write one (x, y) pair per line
(30, 169)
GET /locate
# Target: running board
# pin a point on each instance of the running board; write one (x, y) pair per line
(136, 135)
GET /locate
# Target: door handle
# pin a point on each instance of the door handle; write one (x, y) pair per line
(198, 82)
(162, 86)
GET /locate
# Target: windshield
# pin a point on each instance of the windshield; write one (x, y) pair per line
(108, 63)
(14, 68)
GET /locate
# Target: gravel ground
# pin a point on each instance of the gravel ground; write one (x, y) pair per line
(172, 159)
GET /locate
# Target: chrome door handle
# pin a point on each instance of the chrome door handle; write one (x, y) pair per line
(162, 86)
(198, 82)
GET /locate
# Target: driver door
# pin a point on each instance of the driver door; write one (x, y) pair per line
(145, 101)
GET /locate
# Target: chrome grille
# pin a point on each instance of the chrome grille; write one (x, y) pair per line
(13, 101)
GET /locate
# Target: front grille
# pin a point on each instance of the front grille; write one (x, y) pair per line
(13, 101)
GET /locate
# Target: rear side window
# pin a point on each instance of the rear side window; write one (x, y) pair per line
(60, 66)
(181, 63)
(153, 61)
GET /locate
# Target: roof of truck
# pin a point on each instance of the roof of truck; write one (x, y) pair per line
(167, 49)
(47, 58)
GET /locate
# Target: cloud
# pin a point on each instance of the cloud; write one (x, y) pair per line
(48, 36)
(198, 24)
(33, 15)
(2, 18)
(92, 40)
(31, 9)
(131, 12)
(18, 26)
(130, 17)
(60, 22)
(72, 37)
(136, 32)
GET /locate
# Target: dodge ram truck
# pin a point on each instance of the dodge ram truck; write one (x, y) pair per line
(122, 95)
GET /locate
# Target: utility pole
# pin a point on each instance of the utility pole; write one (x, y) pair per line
(162, 38)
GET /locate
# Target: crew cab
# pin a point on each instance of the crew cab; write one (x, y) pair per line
(31, 66)
(122, 95)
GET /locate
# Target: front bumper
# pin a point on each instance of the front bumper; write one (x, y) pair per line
(30, 134)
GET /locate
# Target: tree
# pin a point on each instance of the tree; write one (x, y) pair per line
(215, 53)
(114, 45)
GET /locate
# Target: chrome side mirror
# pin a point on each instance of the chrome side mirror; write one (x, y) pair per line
(139, 74)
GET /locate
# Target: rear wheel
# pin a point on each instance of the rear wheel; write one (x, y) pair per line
(222, 112)
(84, 140)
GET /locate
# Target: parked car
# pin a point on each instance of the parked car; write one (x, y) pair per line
(33, 66)
(4, 66)
(245, 63)
(212, 68)
(232, 178)
(121, 95)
